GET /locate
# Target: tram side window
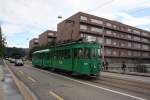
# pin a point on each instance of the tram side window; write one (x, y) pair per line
(82, 53)
(68, 55)
(99, 52)
(47, 55)
(94, 52)
(86, 53)
(78, 53)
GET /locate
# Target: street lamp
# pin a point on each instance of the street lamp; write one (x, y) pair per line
(103, 35)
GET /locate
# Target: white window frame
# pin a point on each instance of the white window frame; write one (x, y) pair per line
(83, 27)
(96, 21)
(83, 18)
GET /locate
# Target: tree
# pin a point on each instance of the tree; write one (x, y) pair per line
(2, 44)
(16, 53)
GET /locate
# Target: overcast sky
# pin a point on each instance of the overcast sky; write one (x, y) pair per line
(21, 20)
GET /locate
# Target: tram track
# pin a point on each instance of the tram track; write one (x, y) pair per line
(81, 79)
(109, 81)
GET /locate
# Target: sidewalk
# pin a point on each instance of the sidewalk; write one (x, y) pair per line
(1, 84)
(130, 73)
(127, 77)
(8, 89)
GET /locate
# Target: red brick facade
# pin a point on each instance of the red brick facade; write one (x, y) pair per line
(121, 42)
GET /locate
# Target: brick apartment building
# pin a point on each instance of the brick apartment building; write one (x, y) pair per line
(121, 42)
(33, 43)
(47, 37)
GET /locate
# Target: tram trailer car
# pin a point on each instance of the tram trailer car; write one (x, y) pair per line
(81, 58)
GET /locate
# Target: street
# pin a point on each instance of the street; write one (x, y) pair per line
(47, 85)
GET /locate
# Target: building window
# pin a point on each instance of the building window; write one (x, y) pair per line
(144, 40)
(50, 40)
(114, 52)
(108, 41)
(114, 43)
(36, 41)
(136, 38)
(95, 29)
(122, 28)
(129, 29)
(50, 34)
(137, 46)
(122, 44)
(114, 33)
(129, 53)
(83, 27)
(89, 38)
(136, 53)
(129, 44)
(108, 32)
(122, 35)
(145, 54)
(109, 51)
(122, 53)
(145, 47)
(82, 35)
(114, 26)
(96, 21)
(83, 18)
(108, 24)
(145, 34)
(129, 36)
(99, 39)
(136, 32)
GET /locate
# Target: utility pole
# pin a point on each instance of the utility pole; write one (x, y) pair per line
(103, 38)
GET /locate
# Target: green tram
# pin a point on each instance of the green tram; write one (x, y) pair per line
(82, 58)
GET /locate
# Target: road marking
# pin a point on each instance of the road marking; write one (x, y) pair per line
(30, 78)
(92, 85)
(55, 95)
(21, 72)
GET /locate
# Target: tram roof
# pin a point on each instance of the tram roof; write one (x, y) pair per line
(45, 50)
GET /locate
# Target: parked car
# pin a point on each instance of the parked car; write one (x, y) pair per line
(19, 62)
(12, 60)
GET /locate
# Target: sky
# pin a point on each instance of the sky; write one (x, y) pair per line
(22, 20)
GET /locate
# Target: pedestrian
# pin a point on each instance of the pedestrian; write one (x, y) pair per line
(103, 65)
(106, 65)
(123, 67)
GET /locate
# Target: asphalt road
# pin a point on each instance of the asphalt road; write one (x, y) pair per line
(52, 86)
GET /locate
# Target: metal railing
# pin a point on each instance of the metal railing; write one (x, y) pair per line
(130, 69)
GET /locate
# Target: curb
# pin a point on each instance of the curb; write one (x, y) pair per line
(129, 73)
(24, 90)
(1, 73)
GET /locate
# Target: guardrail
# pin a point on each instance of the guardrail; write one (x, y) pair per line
(130, 69)
(143, 69)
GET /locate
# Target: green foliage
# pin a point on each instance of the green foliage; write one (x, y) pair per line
(38, 48)
(2, 44)
(16, 53)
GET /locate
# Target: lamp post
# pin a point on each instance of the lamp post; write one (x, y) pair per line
(103, 35)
